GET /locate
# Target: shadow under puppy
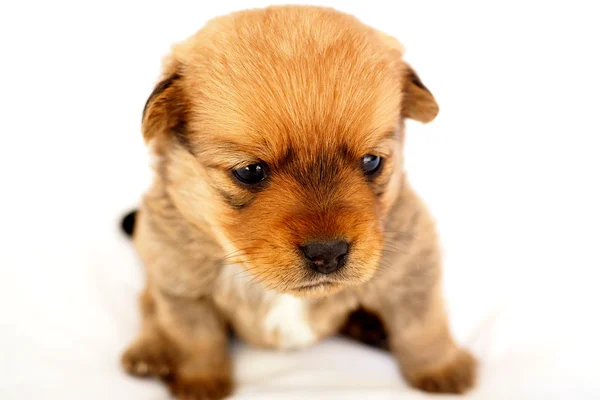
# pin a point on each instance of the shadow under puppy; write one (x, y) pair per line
(280, 203)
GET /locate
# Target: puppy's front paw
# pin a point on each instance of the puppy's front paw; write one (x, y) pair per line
(201, 388)
(455, 376)
(149, 358)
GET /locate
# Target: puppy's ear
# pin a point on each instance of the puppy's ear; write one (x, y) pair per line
(418, 103)
(164, 112)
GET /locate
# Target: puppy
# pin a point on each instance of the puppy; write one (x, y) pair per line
(280, 204)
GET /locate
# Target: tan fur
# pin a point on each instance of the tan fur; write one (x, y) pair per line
(308, 91)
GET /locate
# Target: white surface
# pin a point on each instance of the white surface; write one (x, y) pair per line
(510, 169)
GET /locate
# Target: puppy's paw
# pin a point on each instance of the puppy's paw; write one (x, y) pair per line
(146, 358)
(201, 387)
(455, 376)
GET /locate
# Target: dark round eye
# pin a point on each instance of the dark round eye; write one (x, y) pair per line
(250, 174)
(370, 164)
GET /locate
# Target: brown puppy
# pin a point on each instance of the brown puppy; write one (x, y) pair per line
(280, 203)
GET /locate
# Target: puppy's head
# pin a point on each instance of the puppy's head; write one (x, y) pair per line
(281, 130)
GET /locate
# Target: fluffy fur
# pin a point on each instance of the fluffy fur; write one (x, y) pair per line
(308, 92)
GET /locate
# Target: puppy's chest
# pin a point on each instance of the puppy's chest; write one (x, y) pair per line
(260, 316)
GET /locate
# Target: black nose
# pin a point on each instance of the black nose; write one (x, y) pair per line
(327, 256)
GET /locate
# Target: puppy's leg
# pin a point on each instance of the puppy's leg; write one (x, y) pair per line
(151, 353)
(194, 327)
(429, 358)
(183, 337)
(414, 316)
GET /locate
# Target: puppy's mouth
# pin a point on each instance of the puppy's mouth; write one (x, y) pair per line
(287, 273)
(312, 286)
(316, 289)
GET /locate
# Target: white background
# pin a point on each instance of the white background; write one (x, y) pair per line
(510, 168)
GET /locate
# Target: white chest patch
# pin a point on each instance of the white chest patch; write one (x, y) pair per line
(281, 317)
(286, 318)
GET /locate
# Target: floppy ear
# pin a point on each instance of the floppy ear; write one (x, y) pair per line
(418, 103)
(164, 112)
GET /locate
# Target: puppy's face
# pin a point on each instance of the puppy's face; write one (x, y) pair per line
(288, 144)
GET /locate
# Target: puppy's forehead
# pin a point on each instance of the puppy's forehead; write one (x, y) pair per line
(273, 80)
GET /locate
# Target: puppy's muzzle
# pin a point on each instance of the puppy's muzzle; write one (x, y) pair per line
(325, 257)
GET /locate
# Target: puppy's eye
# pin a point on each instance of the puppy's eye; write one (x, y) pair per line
(250, 174)
(370, 164)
